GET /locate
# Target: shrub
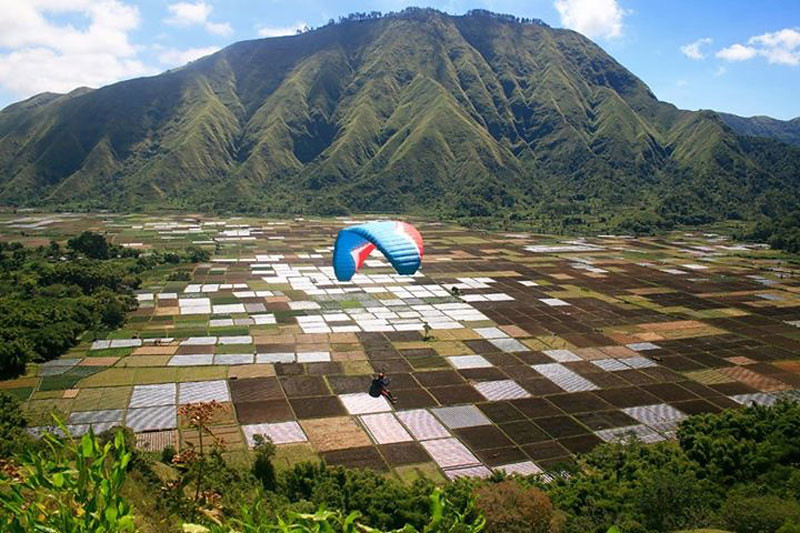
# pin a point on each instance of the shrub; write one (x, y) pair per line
(639, 487)
(669, 497)
(167, 454)
(384, 503)
(13, 437)
(790, 526)
(510, 508)
(758, 514)
(90, 244)
(741, 444)
(68, 485)
(263, 469)
(442, 518)
(47, 302)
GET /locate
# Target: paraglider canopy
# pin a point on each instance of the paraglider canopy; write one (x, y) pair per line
(400, 242)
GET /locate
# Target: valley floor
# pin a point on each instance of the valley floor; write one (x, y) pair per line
(552, 346)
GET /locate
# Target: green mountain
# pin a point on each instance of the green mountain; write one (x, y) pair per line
(787, 131)
(417, 111)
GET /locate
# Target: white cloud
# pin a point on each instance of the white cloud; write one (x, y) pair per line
(593, 18)
(24, 23)
(186, 14)
(693, 50)
(781, 56)
(786, 38)
(219, 28)
(37, 54)
(737, 52)
(272, 31)
(781, 47)
(174, 57)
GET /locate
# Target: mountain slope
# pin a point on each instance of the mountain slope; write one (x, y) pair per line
(787, 131)
(417, 111)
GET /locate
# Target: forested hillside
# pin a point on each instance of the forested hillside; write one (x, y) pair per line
(476, 115)
(787, 131)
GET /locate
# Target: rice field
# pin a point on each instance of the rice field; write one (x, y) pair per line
(551, 345)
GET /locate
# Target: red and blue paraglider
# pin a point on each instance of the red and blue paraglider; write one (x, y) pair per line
(400, 242)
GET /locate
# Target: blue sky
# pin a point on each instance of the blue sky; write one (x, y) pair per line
(738, 56)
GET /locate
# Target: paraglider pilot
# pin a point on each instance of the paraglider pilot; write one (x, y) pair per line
(379, 387)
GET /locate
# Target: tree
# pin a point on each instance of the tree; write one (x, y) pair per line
(758, 514)
(197, 254)
(741, 444)
(13, 437)
(90, 244)
(510, 508)
(670, 497)
(263, 469)
(46, 305)
(111, 308)
(385, 503)
(14, 354)
(54, 250)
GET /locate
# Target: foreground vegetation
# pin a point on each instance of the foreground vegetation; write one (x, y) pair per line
(52, 295)
(738, 470)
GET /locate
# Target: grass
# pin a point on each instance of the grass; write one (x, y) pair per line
(110, 352)
(21, 393)
(68, 379)
(224, 299)
(446, 348)
(110, 377)
(290, 454)
(188, 332)
(408, 474)
(102, 398)
(145, 361)
(200, 373)
(234, 348)
(189, 321)
(124, 333)
(157, 333)
(230, 331)
(357, 368)
(41, 412)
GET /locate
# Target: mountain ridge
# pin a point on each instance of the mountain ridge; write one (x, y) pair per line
(787, 131)
(417, 111)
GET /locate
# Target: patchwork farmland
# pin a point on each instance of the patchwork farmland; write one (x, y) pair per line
(548, 347)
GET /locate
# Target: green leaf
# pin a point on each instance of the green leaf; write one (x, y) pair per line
(125, 523)
(87, 445)
(350, 520)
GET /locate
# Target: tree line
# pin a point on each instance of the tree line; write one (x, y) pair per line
(50, 296)
(415, 12)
